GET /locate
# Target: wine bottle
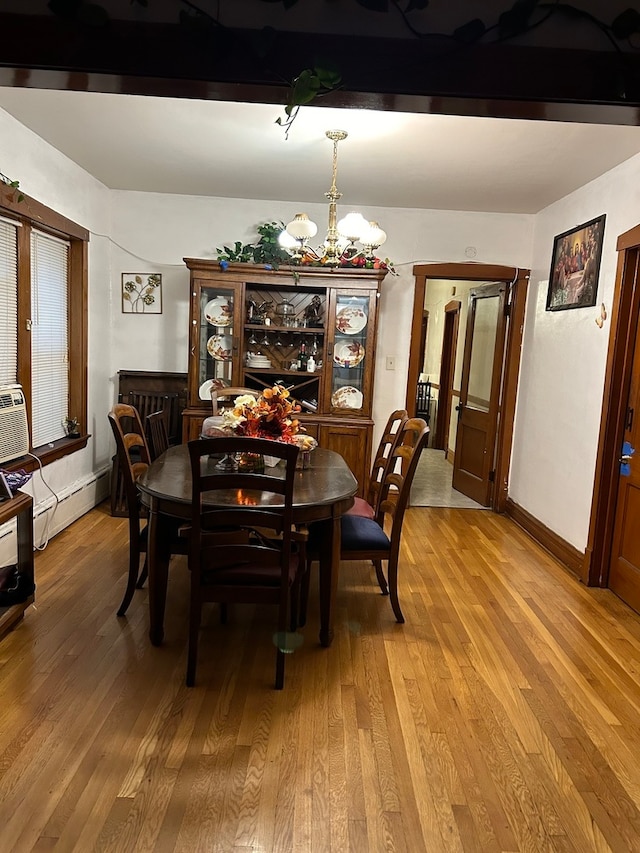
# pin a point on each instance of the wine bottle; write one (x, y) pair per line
(302, 357)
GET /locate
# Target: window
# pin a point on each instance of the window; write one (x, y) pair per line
(43, 319)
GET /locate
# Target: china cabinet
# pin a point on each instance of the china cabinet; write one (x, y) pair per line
(310, 329)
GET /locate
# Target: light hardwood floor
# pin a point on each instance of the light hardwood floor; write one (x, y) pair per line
(503, 716)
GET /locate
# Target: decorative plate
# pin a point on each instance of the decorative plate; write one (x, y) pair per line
(347, 397)
(348, 353)
(218, 312)
(351, 320)
(204, 392)
(219, 346)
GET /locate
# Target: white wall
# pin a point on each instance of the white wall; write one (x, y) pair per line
(563, 354)
(563, 365)
(57, 182)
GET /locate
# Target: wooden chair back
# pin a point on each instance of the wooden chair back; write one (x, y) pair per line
(388, 441)
(133, 457)
(157, 433)
(379, 539)
(241, 553)
(423, 401)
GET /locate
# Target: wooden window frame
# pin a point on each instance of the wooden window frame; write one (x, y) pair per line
(32, 214)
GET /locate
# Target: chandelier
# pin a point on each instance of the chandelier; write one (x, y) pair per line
(340, 243)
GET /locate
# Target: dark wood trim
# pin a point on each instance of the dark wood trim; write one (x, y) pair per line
(559, 548)
(32, 214)
(50, 453)
(504, 442)
(629, 239)
(466, 271)
(436, 75)
(35, 212)
(78, 331)
(625, 314)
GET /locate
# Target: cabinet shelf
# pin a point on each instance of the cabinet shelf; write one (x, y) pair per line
(294, 330)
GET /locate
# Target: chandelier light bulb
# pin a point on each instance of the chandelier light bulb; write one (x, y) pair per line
(286, 241)
(301, 227)
(373, 235)
(352, 226)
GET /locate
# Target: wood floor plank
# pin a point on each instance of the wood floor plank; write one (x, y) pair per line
(502, 717)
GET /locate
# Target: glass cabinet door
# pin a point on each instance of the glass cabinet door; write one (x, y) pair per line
(352, 338)
(216, 345)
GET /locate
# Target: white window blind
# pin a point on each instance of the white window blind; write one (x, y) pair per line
(49, 337)
(8, 302)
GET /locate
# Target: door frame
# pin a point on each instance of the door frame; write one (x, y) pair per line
(625, 315)
(518, 279)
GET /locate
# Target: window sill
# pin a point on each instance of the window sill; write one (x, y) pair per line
(48, 453)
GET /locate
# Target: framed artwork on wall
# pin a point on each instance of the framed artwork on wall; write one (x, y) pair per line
(141, 293)
(575, 266)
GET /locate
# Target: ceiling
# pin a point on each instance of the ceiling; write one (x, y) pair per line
(390, 159)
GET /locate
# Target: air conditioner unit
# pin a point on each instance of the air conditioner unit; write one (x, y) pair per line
(14, 430)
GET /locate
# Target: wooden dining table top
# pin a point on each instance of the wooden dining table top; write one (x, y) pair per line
(317, 491)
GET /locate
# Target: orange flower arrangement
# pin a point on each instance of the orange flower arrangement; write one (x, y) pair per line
(271, 415)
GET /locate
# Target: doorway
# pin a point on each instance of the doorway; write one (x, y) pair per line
(515, 282)
(612, 556)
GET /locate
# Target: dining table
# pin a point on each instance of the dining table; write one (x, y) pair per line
(322, 493)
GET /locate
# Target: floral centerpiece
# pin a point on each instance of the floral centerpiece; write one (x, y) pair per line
(271, 415)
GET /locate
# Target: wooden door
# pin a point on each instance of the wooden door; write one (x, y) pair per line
(473, 466)
(624, 569)
(447, 366)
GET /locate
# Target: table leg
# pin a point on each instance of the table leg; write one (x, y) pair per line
(329, 567)
(158, 556)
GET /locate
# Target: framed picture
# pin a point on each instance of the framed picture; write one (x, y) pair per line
(141, 293)
(575, 265)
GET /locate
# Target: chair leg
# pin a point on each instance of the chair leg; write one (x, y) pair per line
(279, 669)
(294, 603)
(393, 589)
(194, 631)
(304, 595)
(382, 581)
(134, 563)
(143, 575)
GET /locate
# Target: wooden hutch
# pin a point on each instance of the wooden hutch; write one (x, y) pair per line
(248, 325)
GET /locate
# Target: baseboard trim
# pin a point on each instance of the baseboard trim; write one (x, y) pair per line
(547, 539)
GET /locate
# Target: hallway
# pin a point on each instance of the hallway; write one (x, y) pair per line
(432, 483)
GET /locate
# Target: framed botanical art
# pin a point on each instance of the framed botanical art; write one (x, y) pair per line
(575, 265)
(141, 293)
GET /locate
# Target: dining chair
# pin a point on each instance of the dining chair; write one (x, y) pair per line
(242, 553)
(378, 539)
(133, 455)
(368, 506)
(157, 433)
